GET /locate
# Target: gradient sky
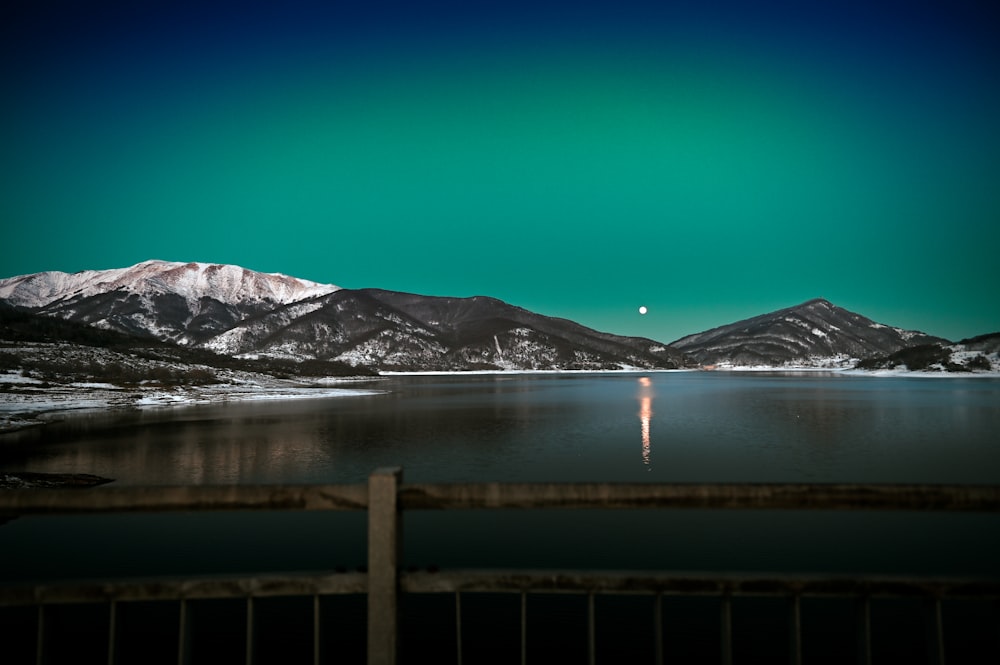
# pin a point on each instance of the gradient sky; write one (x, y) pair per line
(712, 161)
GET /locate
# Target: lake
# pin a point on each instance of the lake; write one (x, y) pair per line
(622, 427)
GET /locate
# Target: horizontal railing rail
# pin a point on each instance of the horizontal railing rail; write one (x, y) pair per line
(158, 589)
(754, 496)
(693, 583)
(502, 581)
(443, 496)
(183, 498)
(386, 498)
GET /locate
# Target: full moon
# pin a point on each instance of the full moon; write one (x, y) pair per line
(642, 309)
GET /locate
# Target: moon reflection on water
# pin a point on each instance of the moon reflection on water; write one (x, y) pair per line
(645, 416)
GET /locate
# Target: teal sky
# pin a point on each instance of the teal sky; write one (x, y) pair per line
(710, 163)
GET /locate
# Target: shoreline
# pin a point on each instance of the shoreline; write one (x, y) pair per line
(17, 480)
(800, 369)
(27, 403)
(32, 405)
(852, 371)
(529, 372)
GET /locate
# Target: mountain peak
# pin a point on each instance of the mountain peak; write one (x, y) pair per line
(181, 302)
(192, 281)
(815, 329)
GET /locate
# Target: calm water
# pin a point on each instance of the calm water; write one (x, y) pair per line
(669, 427)
(632, 428)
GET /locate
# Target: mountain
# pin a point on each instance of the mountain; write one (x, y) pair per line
(237, 312)
(60, 350)
(403, 331)
(186, 303)
(980, 353)
(815, 333)
(242, 314)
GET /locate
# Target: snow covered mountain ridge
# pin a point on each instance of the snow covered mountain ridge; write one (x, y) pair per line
(236, 312)
(183, 303)
(192, 281)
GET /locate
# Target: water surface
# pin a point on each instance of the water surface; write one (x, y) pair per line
(673, 427)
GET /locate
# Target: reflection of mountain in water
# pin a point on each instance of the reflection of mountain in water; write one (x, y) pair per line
(309, 441)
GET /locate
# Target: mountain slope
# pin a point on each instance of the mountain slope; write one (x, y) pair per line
(402, 331)
(977, 354)
(76, 351)
(182, 302)
(815, 332)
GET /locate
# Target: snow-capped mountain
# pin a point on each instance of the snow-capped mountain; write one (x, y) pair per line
(225, 283)
(238, 312)
(186, 303)
(815, 333)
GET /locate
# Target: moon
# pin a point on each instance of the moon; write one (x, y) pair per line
(642, 309)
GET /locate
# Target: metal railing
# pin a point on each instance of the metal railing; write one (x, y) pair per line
(386, 498)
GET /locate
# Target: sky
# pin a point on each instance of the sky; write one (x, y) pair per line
(710, 160)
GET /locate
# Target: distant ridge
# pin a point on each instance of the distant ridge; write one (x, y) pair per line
(815, 332)
(245, 314)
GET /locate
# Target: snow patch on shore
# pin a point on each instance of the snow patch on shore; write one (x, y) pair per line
(932, 374)
(233, 394)
(38, 406)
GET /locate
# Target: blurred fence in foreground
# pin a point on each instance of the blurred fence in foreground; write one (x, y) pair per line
(387, 498)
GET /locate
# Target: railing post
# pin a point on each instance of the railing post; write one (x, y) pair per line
(795, 629)
(111, 632)
(316, 629)
(182, 630)
(864, 630)
(591, 630)
(524, 627)
(658, 627)
(250, 636)
(935, 630)
(40, 637)
(384, 554)
(726, 628)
